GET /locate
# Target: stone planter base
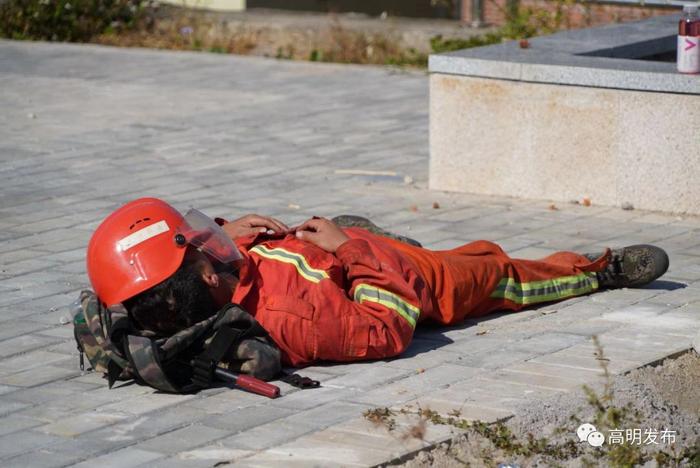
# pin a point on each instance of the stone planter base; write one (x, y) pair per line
(525, 128)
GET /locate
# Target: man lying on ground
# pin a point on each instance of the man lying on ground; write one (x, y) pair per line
(324, 292)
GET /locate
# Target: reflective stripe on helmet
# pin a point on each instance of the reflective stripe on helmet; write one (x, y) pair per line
(142, 235)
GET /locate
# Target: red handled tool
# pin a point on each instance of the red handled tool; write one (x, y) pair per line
(248, 382)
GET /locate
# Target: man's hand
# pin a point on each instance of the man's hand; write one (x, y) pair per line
(257, 357)
(322, 233)
(254, 224)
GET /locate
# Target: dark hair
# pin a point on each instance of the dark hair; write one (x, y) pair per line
(174, 304)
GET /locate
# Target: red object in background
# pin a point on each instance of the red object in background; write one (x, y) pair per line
(689, 27)
(688, 45)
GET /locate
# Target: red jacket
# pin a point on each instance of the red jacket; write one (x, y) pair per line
(361, 303)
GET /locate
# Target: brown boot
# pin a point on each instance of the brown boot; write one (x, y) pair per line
(633, 266)
(347, 221)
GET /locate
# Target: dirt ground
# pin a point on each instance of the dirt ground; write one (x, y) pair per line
(666, 396)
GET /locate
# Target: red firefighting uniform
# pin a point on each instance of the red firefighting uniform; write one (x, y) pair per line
(364, 302)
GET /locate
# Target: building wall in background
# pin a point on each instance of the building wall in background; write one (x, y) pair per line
(493, 12)
(579, 14)
(221, 5)
(418, 8)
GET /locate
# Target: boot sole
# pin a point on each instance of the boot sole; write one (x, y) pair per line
(642, 264)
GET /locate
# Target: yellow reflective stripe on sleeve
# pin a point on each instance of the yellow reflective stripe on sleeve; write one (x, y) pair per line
(365, 292)
(553, 289)
(297, 260)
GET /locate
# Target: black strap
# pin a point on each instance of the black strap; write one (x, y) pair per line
(114, 371)
(143, 353)
(296, 380)
(205, 364)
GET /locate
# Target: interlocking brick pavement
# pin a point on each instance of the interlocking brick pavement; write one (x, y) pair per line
(84, 129)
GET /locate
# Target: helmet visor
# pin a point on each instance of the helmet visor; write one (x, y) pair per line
(202, 232)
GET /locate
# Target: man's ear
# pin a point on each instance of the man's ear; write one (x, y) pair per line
(211, 279)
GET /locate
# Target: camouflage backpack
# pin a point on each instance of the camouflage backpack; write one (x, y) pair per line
(181, 363)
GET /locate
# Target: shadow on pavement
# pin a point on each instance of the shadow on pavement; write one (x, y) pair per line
(664, 285)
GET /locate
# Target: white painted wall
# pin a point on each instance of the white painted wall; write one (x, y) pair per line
(221, 5)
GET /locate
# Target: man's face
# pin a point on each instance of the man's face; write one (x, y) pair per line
(221, 278)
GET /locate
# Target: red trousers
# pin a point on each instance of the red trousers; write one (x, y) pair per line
(478, 278)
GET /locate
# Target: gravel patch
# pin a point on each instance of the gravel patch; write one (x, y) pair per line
(657, 398)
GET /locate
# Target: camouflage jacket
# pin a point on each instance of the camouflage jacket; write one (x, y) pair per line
(116, 348)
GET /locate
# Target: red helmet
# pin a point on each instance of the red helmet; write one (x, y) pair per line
(144, 242)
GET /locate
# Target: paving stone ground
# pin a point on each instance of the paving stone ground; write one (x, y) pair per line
(84, 129)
